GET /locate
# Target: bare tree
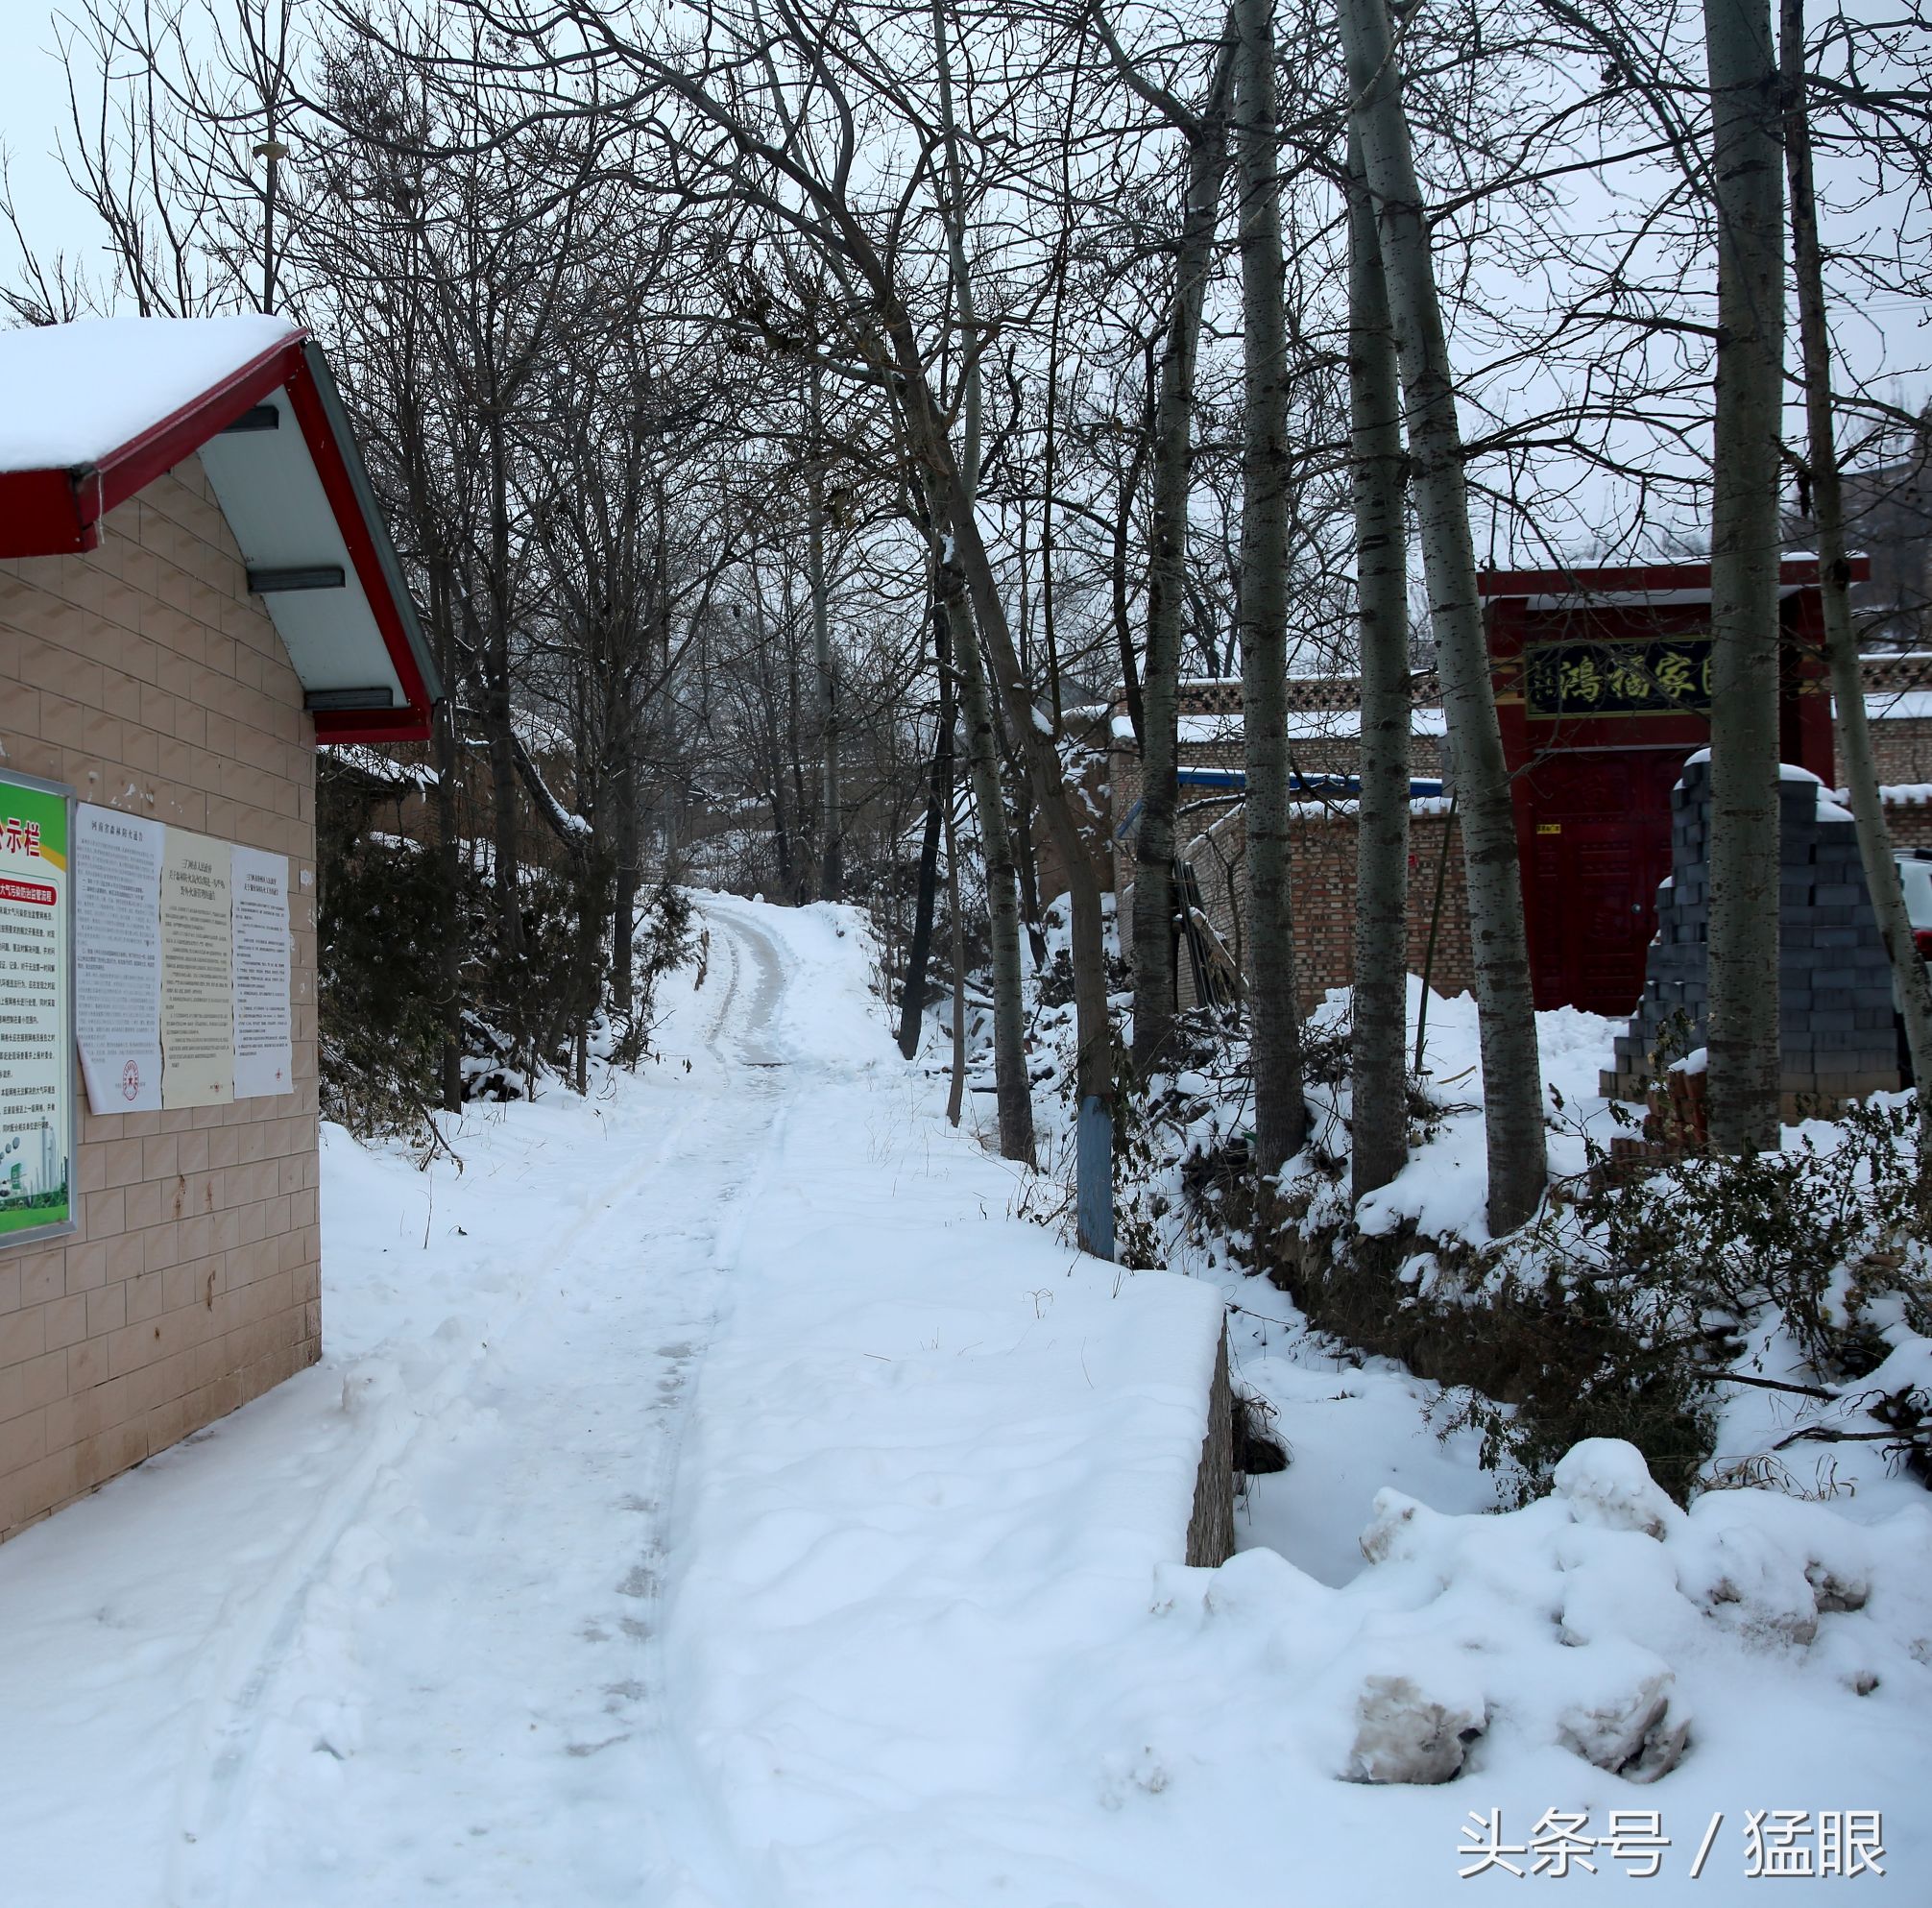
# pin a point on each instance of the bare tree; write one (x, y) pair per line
(1204, 138)
(1746, 457)
(1378, 1132)
(1511, 1072)
(1013, 1090)
(1280, 1107)
(1909, 978)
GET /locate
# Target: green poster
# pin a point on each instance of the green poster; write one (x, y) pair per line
(36, 1012)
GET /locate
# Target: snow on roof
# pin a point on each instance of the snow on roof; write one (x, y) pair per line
(70, 395)
(92, 411)
(380, 768)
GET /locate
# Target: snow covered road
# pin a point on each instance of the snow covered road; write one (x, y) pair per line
(462, 1614)
(713, 1498)
(392, 1631)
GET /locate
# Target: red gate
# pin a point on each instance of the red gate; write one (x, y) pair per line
(1603, 687)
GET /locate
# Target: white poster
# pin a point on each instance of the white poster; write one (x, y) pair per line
(117, 959)
(198, 1036)
(259, 898)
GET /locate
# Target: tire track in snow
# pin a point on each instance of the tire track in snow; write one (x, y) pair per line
(256, 1630)
(259, 1632)
(713, 1873)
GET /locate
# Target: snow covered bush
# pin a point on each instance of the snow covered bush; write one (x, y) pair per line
(386, 986)
(1667, 1272)
(380, 935)
(1639, 1304)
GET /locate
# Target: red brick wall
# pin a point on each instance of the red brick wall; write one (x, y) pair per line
(1322, 895)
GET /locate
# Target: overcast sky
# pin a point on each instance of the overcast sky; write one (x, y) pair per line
(32, 111)
(1886, 338)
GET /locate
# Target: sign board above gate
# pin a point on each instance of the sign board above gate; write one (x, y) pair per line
(1631, 676)
(1602, 678)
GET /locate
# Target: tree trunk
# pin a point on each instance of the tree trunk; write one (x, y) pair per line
(1280, 1109)
(452, 930)
(1834, 570)
(830, 818)
(1014, 1090)
(624, 897)
(1512, 1088)
(1742, 1034)
(449, 876)
(1027, 863)
(1380, 1135)
(1155, 907)
(912, 1001)
(496, 711)
(954, 487)
(1094, 1064)
(955, 1091)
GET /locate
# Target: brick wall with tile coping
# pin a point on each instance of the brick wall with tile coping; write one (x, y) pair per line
(1322, 856)
(145, 676)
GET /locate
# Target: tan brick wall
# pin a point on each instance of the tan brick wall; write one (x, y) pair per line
(145, 676)
(1910, 824)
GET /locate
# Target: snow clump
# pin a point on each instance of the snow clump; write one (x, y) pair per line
(1572, 1625)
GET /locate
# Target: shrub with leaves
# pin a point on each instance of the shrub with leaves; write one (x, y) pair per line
(380, 939)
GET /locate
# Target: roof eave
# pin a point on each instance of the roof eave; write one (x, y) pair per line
(408, 648)
(1636, 579)
(57, 513)
(372, 725)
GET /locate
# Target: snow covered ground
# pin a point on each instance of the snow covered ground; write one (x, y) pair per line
(713, 1498)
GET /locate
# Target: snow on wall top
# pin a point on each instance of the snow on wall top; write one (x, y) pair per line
(72, 394)
(1895, 705)
(1304, 725)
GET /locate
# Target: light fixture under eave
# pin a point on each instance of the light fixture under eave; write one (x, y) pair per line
(312, 576)
(322, 702)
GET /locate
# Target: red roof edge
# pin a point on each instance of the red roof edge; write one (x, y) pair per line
(57, 512)
(1641, 576)
(340, 488)
(40, 515)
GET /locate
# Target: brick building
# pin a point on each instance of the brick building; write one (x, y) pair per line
(1324, 739)
(196, 587)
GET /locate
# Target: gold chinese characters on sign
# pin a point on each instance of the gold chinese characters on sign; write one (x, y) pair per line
(1654, 676)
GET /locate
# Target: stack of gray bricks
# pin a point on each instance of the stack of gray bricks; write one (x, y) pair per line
(1837, 1033)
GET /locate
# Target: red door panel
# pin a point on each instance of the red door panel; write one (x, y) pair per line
(1596, 831)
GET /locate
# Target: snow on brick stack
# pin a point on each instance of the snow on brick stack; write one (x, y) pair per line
(1838, 1036)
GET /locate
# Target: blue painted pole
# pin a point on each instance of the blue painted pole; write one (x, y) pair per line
(1094, 1177)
